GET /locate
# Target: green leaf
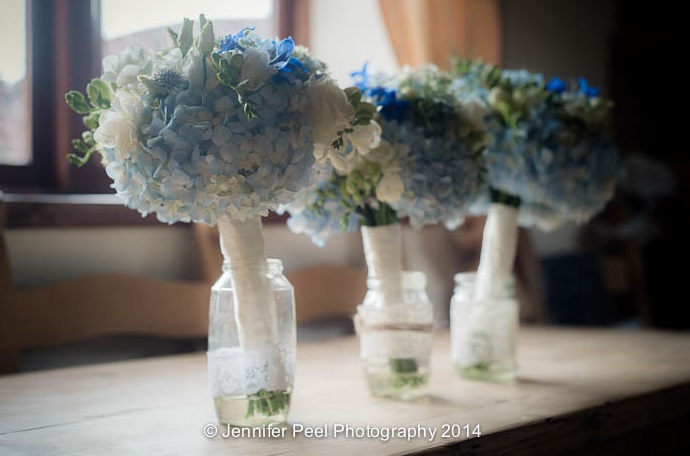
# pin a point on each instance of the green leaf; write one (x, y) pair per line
(99, 94)
(236, 62)
(354, 95)
(186, 37)
(92, 120)
(77, 102)
(80, 161)
(173, 35)
(80, 146)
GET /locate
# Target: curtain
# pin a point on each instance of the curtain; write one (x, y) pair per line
(434, 31)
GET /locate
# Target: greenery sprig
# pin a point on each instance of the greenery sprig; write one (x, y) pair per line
(267, 403)
(228, 68)
(99, 97)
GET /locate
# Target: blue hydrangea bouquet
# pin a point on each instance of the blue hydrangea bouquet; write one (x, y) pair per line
(218, 131)
(425, 168)
(550, 158)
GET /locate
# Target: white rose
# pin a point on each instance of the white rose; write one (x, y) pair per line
(475, 111)
(498, 95)
(365, 137)
(359, 143)
(339, 163)
(328, 109)
(255, 68)
(124, 68)
(391, 187)
(118, 127)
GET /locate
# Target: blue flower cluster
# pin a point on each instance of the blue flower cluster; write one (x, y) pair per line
(318, 211)
(548, 145)
(210, 128)
(441, 172)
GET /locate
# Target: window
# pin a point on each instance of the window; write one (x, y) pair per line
(15, 141)
(26, 95)
(149, 26)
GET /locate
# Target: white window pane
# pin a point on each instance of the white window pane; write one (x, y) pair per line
(15, 147)
(145, 22)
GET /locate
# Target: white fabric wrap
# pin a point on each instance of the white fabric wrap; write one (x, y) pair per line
(499, 246)
(242, 244)
(383, 255)
(259, 362)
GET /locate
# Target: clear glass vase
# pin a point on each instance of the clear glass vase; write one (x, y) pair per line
(396, 338)
(483, 331)
(251, 364)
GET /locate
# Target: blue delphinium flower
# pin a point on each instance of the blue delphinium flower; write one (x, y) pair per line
(556, 85)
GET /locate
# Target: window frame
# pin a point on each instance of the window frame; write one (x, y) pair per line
(40, 15)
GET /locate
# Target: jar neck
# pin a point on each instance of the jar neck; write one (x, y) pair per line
(465, 282)
(411, 280)
(271, 265)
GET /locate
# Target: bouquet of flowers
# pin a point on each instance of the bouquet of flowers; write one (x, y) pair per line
(216, 131)
(425, 167)
(550, 159)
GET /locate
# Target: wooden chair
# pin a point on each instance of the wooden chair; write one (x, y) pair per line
(94, 306)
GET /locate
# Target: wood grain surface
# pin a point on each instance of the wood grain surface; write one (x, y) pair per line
(578, 391)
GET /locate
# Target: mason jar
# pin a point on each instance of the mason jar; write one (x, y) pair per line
(252, 344)
(483, 332)
(396, 339)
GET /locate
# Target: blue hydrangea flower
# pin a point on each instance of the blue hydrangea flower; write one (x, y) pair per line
(558, 159)
(441, 171)
(318, 211)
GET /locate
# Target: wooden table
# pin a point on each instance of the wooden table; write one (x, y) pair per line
(619, 392)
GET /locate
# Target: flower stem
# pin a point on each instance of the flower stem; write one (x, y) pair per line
(383, 255)
(499, 245)
(242, 244)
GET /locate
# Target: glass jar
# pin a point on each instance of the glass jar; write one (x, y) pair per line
(251, 356)
(396, 339)
(483, 332)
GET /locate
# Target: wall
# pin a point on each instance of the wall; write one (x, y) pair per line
(565, 38)
(346, 34)
(44, 256)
